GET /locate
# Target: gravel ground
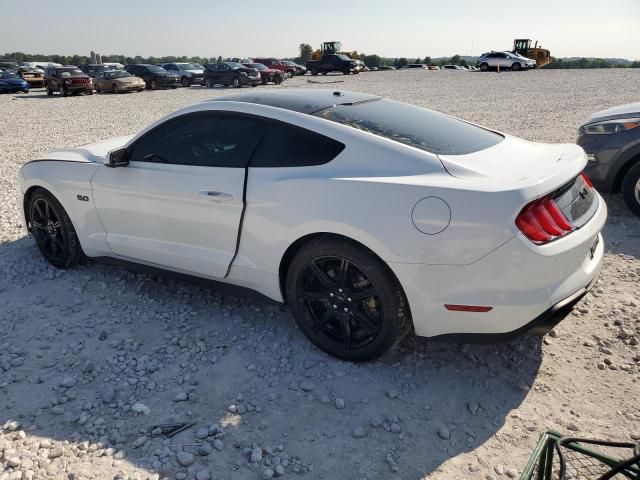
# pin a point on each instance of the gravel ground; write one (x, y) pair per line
(93, 358)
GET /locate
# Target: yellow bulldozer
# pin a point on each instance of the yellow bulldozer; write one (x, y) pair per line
(332, 47)
(523, 47)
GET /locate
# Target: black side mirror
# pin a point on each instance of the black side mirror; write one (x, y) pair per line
(118, 158)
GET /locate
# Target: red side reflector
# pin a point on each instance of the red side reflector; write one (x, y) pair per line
(586, 179)
(467, 308)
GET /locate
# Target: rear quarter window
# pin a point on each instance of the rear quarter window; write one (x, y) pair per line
(418, 127)
(284, 145)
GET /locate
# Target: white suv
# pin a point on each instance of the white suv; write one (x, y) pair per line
(493, 60)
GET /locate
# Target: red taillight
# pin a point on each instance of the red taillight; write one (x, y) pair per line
(586, 180)
(542, 221)
(467, 308)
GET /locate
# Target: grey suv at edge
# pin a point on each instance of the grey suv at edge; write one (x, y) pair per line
(611, 139)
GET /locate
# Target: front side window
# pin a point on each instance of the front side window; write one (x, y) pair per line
(285, 145)
(417, 127)
(207, 139)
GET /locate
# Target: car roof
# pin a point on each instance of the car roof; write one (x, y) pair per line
(299, 100)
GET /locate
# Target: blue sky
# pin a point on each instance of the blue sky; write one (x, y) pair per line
(256, 28)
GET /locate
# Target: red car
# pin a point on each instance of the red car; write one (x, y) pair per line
(267, 74)
(276, 64)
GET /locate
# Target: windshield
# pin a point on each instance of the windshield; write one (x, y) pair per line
(235, 65)
(343, 57)
(156, 69)
(118, 74)
(69, 72)
(8, 75)
(257, 66)
(101, 68)
(189, 66)
(288, 62)
(418, 127)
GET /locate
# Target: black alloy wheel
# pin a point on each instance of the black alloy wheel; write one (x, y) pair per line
(53, 230)
(185, 82)
(515, 67)
(236, 82)
(346, 301)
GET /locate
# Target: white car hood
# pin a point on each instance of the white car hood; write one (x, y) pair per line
(91, 152)
(517, 163)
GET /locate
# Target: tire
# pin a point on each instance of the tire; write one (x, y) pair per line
(277, 80)
(53, 230)
(484, 67)
(97, 88)
(324, 73)
(114, 88)
(354, 329)
(516, 67)
(631, 188)
(49, 91)
(154, 84)
(63, 91)
(209, 83)
(237, 83)
(314, 71)
(264, 80)
(185, 82)
(90, 91)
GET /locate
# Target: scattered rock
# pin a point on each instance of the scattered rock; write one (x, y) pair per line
(185, 458)
(359, 432)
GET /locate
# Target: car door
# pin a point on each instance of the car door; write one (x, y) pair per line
(225, 73)
(179, 201)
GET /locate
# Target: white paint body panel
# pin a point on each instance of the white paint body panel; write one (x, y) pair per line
(153, 214)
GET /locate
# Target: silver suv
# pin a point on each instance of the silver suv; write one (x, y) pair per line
(504, 60)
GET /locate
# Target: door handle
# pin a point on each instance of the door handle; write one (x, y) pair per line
(216, 196)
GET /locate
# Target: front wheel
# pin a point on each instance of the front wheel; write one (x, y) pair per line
(63, 91)
(115, 88)
(346, 300)
(185, 82)
(631, 189)
(314, 71)
(53, 230)
(154, 84)
(516, 67)
(484, 67)
(209, 83)
(236, 82)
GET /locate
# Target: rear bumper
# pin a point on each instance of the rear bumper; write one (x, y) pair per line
(525, 285)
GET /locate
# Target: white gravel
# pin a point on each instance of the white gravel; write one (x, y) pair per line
(93, 358)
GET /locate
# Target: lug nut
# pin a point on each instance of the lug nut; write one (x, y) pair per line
(331, 294)
(340, 290)
(335, 307)
(346, 309)
(348, 299)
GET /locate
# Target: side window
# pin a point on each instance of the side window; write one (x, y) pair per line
(285, 145)
(204, 139)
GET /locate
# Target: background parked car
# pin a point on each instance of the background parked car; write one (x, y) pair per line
(33, 76)
(385, 68)
(11, 82)
(300, 69)
(118, 81)
(267, 74)
(611, 139)
(67, 80)
(493, 60)
(231, 73)
(417, 65)
(189, 73)
(454, 67)
(277, 65)
(154, 76)
(93, 70)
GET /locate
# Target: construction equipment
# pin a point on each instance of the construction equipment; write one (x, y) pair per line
(522, 46)
(328, 48)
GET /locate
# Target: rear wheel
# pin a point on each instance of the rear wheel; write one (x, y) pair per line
(264, 80)
(516, 67)
(185, 82)
(53, 230)
(345, 300)
(115, 88)
(154, 84)
(314, 71)
(236, 82)
(484, 67)
(631, 189)
(209, 83)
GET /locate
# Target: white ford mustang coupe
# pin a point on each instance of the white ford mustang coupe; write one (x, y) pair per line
(371, 218)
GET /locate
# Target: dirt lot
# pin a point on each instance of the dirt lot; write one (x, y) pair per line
(93, 357)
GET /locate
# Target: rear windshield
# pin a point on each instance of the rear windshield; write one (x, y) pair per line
(415, 126)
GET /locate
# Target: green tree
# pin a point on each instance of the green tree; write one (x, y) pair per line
(455, 59)
(427, 60)
(402, 62)
(372, 60)
(305, 52)
(418, 60)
